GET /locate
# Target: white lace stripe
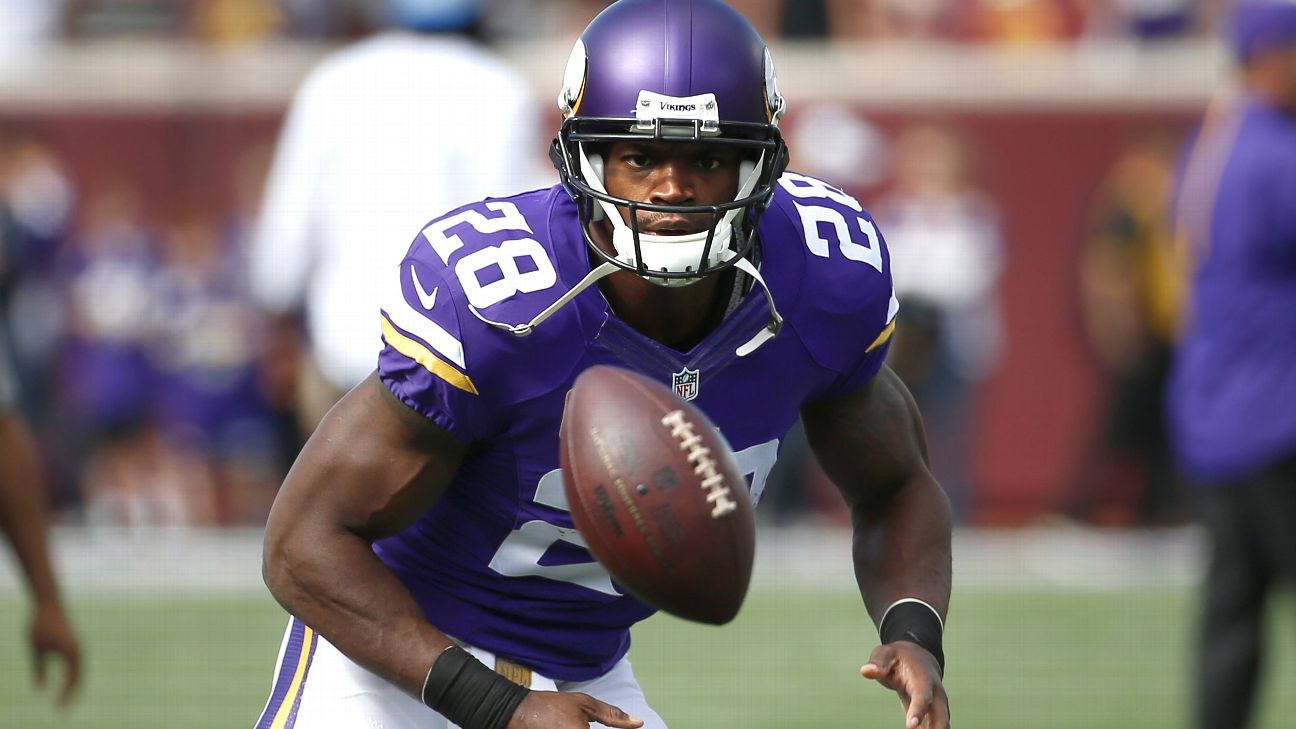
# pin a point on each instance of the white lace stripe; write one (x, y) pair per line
(920, 602)
(403, 314)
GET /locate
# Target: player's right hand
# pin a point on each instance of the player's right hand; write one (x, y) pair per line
(564, 710)
(913, 673)
(49, 633)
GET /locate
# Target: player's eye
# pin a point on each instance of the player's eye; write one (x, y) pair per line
(715, 160)
(637, 160)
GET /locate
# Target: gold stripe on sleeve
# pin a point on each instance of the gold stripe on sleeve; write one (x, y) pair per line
(882, 338)
(425, 357)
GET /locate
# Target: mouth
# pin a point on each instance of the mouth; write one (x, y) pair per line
(669, 225)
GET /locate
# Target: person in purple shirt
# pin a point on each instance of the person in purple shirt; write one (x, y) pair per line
(1232, 393)
(422, 541)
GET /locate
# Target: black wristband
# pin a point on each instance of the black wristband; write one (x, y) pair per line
(463, 690)
(915, 622)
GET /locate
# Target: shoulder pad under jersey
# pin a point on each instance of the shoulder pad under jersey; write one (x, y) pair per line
(490, 261)
(829, 269)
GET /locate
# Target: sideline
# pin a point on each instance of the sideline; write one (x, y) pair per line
(807, 556)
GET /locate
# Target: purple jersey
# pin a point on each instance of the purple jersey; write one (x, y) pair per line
(1232, 391)
(496, 562)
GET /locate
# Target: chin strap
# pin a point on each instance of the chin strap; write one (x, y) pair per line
(768, 332)
(522, 330)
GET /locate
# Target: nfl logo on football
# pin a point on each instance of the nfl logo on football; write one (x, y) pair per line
(686, 383)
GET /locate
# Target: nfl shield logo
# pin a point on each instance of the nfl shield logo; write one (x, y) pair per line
(686, 383)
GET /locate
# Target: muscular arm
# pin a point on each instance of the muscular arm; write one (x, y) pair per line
(371, 469)
(21, 514)
(23, 522)
(871, 444)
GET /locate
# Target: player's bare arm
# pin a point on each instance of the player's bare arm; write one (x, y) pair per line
(370, 470)
(22, 521)
(871, 444)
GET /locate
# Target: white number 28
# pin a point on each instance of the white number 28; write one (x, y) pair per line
(865, 250)
(512, 279)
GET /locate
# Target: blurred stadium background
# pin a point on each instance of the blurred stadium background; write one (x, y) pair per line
(134, 136)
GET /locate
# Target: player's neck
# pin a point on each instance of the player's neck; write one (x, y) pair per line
(678, 317)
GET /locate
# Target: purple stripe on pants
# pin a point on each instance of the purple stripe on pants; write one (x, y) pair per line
(301, 689)
(287, 669)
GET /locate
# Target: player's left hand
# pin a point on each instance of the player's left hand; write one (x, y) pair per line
(50, 632)
(909, 670)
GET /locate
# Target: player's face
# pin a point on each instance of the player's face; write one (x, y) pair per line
(671, 173)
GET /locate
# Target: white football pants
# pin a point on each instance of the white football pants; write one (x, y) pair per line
(316, 687)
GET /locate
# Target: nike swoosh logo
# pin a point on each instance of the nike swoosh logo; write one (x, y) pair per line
(427, 300)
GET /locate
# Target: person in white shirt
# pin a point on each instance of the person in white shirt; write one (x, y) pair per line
(423, 116)
(947, 258)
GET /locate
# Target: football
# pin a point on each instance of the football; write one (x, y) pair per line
(657, 495)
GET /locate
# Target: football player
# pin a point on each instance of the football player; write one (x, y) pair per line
(22, 523)
(422, 541)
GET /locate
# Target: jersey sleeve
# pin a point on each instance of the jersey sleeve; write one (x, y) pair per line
(423, 361)
(871, 358)
(442, 355)
(870, 329)
(846, 307)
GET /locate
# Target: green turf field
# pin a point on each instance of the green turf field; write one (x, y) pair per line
(1026, 658)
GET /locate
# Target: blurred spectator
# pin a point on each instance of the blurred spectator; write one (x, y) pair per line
(998, 22)
(834, 141)
(946, 260)
(104, 377)
(210, 408)
(1232, 395)
(381, 136)
(1016, 22)
(234, 22)
(1128, 302)
(1143, 19)
(326, 19)
(22, 520)
(869, 19)
(277, 357)
(763, 14)
(37, 202)
(106, 18)
(28, 26)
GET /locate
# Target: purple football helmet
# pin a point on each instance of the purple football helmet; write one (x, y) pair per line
(674, 70)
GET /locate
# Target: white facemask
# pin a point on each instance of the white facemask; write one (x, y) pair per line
(670, 253)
